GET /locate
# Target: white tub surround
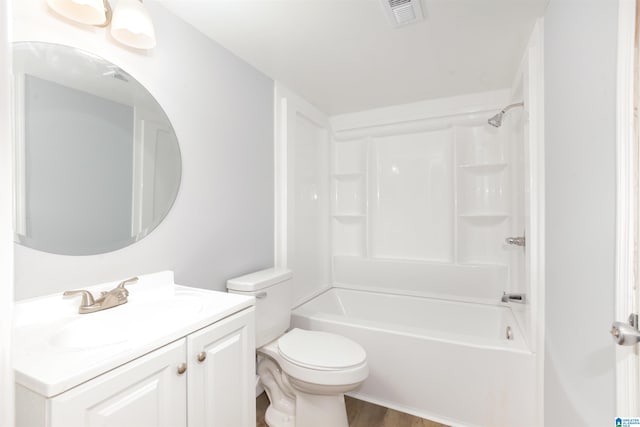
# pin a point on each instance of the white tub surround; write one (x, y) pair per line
(56, 349)
(424, 184)
(442, 360)
(425, 196)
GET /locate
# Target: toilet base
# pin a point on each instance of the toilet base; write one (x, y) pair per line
(311, 411)
(315, 410)
(275, 418)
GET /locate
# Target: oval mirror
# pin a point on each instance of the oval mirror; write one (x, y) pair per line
(97, 161)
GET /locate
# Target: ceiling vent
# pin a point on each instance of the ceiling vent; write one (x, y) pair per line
(403, 12)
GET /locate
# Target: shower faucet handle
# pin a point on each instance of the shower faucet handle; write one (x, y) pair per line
(516, 241)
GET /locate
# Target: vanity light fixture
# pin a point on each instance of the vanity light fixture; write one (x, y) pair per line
(132, 25)
(130, 22)
(90, 12)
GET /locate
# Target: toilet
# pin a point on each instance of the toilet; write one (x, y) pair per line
(305, 373)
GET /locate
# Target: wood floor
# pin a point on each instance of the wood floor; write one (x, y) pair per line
(360, 414)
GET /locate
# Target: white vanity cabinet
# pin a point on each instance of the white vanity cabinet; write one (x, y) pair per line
(155, 390)
(221, 374)
(145, 392)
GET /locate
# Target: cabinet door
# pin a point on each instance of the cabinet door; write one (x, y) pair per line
(222, 373)
(147, 391)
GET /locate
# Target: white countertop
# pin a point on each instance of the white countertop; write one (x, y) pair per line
(55, 348)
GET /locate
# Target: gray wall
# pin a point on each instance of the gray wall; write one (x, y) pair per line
(580, 69)
(222, 110)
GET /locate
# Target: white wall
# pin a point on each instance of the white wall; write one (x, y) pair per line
(580, 69)
(6, 231)
(222, 110)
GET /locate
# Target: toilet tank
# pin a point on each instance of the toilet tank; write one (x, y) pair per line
(273, 293)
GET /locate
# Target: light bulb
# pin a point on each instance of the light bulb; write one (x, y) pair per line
(90, 12)
(132, 25)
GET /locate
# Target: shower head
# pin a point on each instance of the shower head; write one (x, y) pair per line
(496, 121)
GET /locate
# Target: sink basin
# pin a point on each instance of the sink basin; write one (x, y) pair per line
(91, 332)
(181, 305)
(123, 323)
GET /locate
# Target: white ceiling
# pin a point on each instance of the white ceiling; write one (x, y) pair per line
(344, 55)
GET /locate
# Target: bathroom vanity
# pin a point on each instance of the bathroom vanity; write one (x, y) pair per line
(172, 356)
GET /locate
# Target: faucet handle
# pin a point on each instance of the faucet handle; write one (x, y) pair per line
(87, 298)
(129, 281)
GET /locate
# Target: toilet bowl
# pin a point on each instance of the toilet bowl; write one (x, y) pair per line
(305, 373)
(318, 368)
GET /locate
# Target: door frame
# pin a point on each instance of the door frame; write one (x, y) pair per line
(6, 219)
(536, 243)
(627, 361)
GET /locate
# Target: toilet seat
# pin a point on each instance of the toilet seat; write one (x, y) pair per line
(291, 358)
(320, 350)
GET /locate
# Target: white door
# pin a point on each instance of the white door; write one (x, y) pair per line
(221, 373)
(625, 328)
(148, 391)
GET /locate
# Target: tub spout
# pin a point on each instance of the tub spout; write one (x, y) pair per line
(519, 298)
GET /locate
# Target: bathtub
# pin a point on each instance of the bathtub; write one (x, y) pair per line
(442, 360)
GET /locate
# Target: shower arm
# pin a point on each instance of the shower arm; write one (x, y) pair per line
(510, 106)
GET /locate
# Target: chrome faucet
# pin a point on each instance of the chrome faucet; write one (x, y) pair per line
(112, 298)
(519, 298)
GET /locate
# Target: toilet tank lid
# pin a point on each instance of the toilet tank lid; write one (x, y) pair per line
(259, 280)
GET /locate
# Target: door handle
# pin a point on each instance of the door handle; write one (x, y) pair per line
(626, 333)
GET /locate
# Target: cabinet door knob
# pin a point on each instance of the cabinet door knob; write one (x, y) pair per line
(182, 368)
(202, 356)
